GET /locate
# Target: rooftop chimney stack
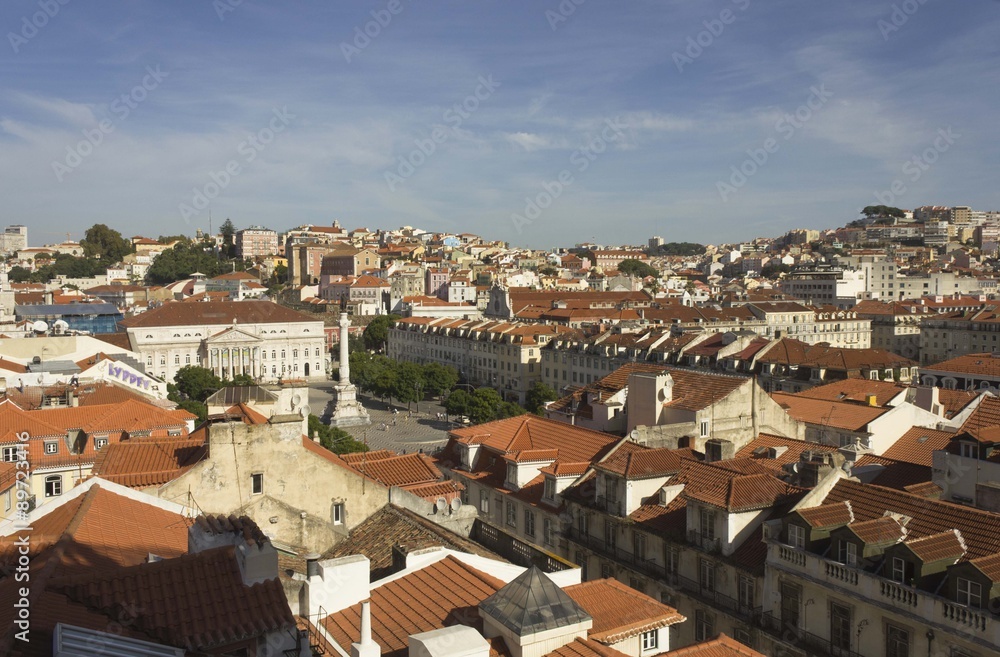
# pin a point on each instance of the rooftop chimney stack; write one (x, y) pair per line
(365, 647)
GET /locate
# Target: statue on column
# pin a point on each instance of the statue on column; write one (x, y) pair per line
(344, 409)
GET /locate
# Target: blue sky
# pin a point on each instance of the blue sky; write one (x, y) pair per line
(643, 128)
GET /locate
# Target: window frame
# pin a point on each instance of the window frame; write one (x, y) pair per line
(53, 485)
(257, 483)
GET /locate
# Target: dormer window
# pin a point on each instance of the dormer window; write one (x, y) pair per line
(969, 593)
(512, 474)
(969, 450)
(797, 536)
(550, 488)
(707, 517)
(847, 553)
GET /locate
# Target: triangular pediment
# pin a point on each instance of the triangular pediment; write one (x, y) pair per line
(232, 335)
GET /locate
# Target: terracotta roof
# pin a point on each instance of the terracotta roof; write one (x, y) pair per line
(149, 462)
(984, 364)
(392, 526)
(826, 516)
(195, 601)
(633, 461)
(918, 445)
(840, 415)
(856, 390)
(765, 445)
(925, 489)
(585, 648)
(879, 531)
(560, 469)
(247, 414)
(980, 529)
(954, 401)
(937, 547)
(744, 492)
(895, 474)
(216, 313)
(720, 646)
(400, 470)
(530, 432)
(416, 603)
(619, 611)
(788, 351)
(989, 566)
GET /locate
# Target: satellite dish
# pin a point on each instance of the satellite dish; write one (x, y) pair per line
(296, 399)
(456, 504)
(634, 435)
(305, 410)
(440, 505)
(39, 327)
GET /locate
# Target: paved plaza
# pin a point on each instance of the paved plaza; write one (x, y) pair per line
(421, 431)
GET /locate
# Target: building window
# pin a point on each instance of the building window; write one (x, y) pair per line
(257, 483)
(704, 625)
(610, 534)
(53, 485)
(10, 453)
(51, 447)
(671, 558)
(797, 536)
(970, 593)
(529, 523)
(897, 642)
(338, 513)
(791, 604)
(550, 488)
(969, 450)
(100, 443)
(707, 524)
(650, 640)
(512, 474)
(547, 533)
(840, 626)
(484, 501)
(898, 570)
(704, 428)
(848, 553)
(639, 545)
(606, 572)
(511, 514)
(746, 592)
(706, 575)
(177, 359)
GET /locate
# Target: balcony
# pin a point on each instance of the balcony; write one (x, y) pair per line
(613, 506)
(717, 599)
(921, 607)
(806, 641)
(710, 544)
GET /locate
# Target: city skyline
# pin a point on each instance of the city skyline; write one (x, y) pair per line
(631, 119)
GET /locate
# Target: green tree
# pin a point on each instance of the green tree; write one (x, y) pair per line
(510, 409)
(681, 249)
(180, 262)
(408, 384)
(440, 378)
(458, 403)
(194, 407)
(197, 383)
(882, 211)
(485, 405)
(334, 439)
(228, 231)
(548, 271)
(169, 239)
(105, 244)
(637, 268)
(376, 334)
(538, 395)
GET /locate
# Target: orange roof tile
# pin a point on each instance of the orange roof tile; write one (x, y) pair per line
(633, 461)
(840, 415)
(529, 432)
(826, 516)
(918, 445)
(720, 646)
(937, 547)
(856, 390)
(619, 611)
(785, 450)
(416, 603)
(400, 470)
(152, 462)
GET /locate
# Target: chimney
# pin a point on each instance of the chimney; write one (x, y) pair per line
(872, 400)
(48, 298)
(365, 646)
(336, 584)
(717, 449)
